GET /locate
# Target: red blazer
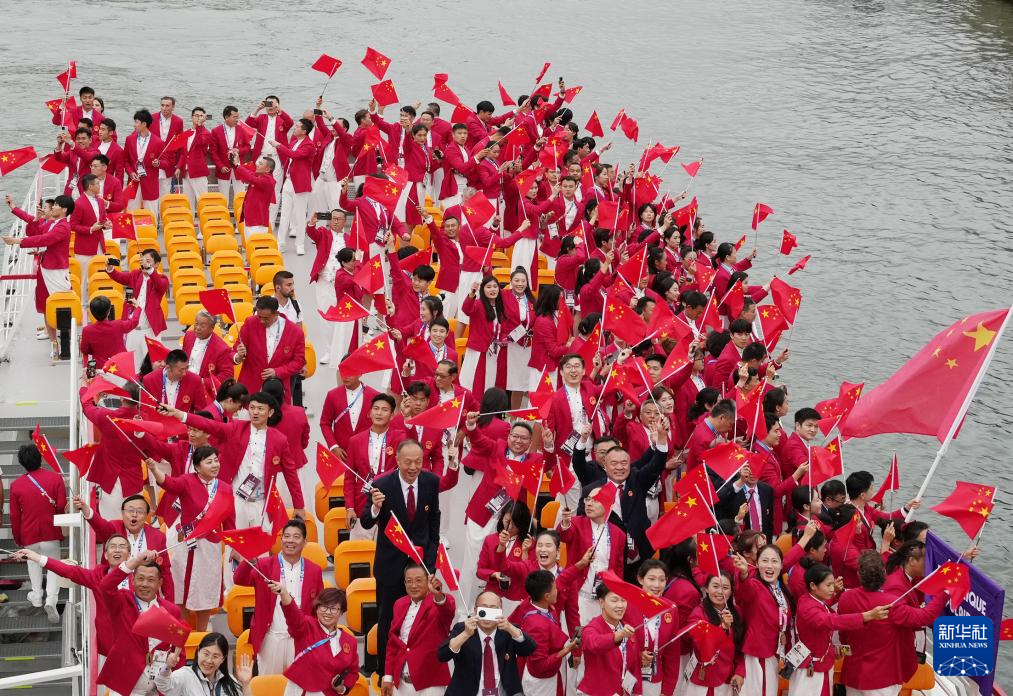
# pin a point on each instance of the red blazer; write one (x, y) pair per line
(259, 197)
(265, 600)
(364, 226)
(432, 622)
(111, 191)
(578, 540)
(315, 670)
(92, 579)
(603, 660)
(190, 396)
(154, 539)
(299, 167)
(489, 562)
(296, 428)
(686, 596)
(632, 434)
(470, 402)
(79, 159)
(560, 420)
(488, 455)
(728, 662)
(568, 582)
(792, 452)
(549, 639)
(175, 128)
(74, 114)
(343, 145)
(289, 357)
(217, 365)
(116, 459)
(193, 496)
(233, 438)
(667, 663)
(220, 150)
(149, 182)
(756, 604)
(882, 652)
(816, 624)
(323, 239)
(125, 664)
(193, 160)
(282, 123)
(158, 285)
(55, 241)
(335, 423)
(31, 510)
(700, 441)
(358, 461)
(104, 339)
(483, 331)
(87, 242)
(456, 160)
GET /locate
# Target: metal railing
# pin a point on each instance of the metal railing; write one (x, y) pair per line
(17, 262)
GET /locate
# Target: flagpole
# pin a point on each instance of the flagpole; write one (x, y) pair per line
(410, 544)
(717, 525)
(914, 587)
(251, 564)
(677, 636)
(128, 438)
(959, 417)
(460, 595)
(66, 97)
(538, 488)
(893, 482)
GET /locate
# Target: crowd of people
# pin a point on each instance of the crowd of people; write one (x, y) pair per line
(538, 462)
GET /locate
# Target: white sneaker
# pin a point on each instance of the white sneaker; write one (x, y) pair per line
(325, 358)
(52, 614)
(41, 335)
(300, 250)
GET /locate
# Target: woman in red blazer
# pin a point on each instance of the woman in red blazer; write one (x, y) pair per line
(720, 674)
(611, 650)
(293, 422)
(487, 317)
(583, 532)
(766, 607)
(683, 589)
(815, 625)
(326, 656)
(345, 337)
(520, 308)
(882, 654)
(659, 656)
(546, 349)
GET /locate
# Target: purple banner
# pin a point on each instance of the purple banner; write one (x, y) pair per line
(986, 597)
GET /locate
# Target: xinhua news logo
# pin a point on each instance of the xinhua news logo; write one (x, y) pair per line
(962, 646)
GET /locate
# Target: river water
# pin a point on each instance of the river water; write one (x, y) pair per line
(878, 131)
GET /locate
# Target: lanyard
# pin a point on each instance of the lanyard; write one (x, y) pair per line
(41, 490)
(302, 569)
(165, 390)
(140, 544)
(274, 338)
(381, 456)
(322, 641)
(543, 614)
(351, 403)
(211, 496)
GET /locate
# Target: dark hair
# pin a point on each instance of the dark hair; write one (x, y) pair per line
(424, 272)
(307, 125)
(832, 489)
(99, 307)
(651, 564)
(66, 202)
(123, 505)
(703, 241)
(295, 523)
(801, 496)
(548, 300)
(754, 351)
(153, 253)
(724, 407)
(774, 399)
(385, 398)
(680, 560)
(908, 550)
(109, 124)
(586, 273)
(85, 90)
(229, 110)
(705, 400)
(805, 414)
(716, 342)
(101, 159)
(484, 105)
(527, 283)
(438, 320)
(740, 326)
(738, 626)
(346, 254)
(538, 584)
(175, 356)
(275, 387)
(329, 596)
(493, 401)
(29, 457)
(520, 516)
(231, 389)
(229, 687)
(911, 530)
(267, 302)
(816, 574)
(200, 454)
(694, 299)
(587, 323)
(871, 571)
(87, 180)
(858, 482)
(494, 309)
(572, 356)
(266, 399)
(280, 277)
(415, 388)
(144, 116)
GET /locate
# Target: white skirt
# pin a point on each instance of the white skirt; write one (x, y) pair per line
(523, 254)
(533, 686)
(697, 690)
(885, 691)
(518, 373)
(463, 288)
(801, 684)
(56, 279)
(203, 589)
(755, 670)
(470, 366)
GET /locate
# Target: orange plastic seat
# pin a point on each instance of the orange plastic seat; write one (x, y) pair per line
(353, 557)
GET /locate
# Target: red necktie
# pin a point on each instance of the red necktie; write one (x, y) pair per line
(411, 503)
(754, 512)
(488, 666)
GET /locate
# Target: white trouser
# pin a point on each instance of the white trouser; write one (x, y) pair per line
(109, 503)
(194, 187)
(324, 292)
(325, 194)
(680, 686)
(358, 533)
(136, 345)
(255, 229)
(801, 684)
(278, 176)
(450, 305)
(408, 690)
(476, 535)
(249, 513)
(588, 607)
(85, 261)
(468, 278)
(755, 671)
(535, 686)
(697, 690)
(276, 653)
(230, 187)
(139, 202)
(51, 590)
(402, 201)
(885, 691)
(294, 208)
(651, 688)
(164, 185)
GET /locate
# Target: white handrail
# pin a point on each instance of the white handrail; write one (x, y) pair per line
(74, 673)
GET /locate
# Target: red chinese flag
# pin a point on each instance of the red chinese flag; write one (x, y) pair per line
(423, 257)
(772, 324)
(562, 480)
(571, 93)
(55, 105)
(461, 114)
(66, 76)
(101, 386)
(178, 142)
(686, 215)
(160, 625)
(326, 64)
(787, 299)
(417, 349)
(741, 243)
(800, 265)
(618, 120)
(657, 151)
(606, 496)
(696, 482)
(130, 190)
(504, 96)
(450, 576)
(217, 301)
(705, 274)
(551, 156)
(526, 179)
(509, 480)
(835, 411)
(399, 175)
(735, 299)
(925, 396)
(590, 348)
(50, 164)
(890, 483)
(624, 322)
(374, 356)
(760, 213)
(161, 428)
(844, 534)
(678, 359)
(444, 93)
(710, 549)
(688, 516)
(969, 505)
(710, 316)
(369, 277)
(530, 472)
(633, 269)
(12, 159)
(157, 351)
(826, 462)
(630, 128)
(440, 78)
(383, 191)
(564, 324)
(123, 226)
(396, 533)
(440, 417)
(121, 365)
(788, 242)
(608, 214)
(222, 508)
(542, 91)
(693, 168)
(376, 63)
(709, 640)
(749, 407)
(81, 457)
(329, 468)
(518, 136)
(725, 459)
(542, 396)
(345, 309)
(276, 512)
(478, 209)
(953, 578)
(1006, 629)
(250, 542)
(384, 93)
(593, 125)
(545, 69)
(45, 449)
(646, 603)
(645, 188)
(480, 255)
(249, 131)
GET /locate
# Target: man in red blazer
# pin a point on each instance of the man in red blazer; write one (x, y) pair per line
(139, 534)
(793, 450)
(370, 455)
(421, 619)
(259, 203)
(211, 358)
(141, 151)
(273, 124)
(104, 337)
(580, 533)
(36, 496)
(192, 160)
(269, 346)
(88, 222)
(132, 666)
(174, 385)
(458, 165)
(76, 152)
(225, 138)
(269, 635)
(167, 126)
(111, 149)
(297, 160)
(572, 406)
(149, 287)
(345, 413)
(710, 431)
(86, 109)
(110, 190)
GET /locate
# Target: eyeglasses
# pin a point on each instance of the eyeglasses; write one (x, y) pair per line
(329, 609)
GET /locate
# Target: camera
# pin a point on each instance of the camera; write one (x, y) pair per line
(90, 371)
(504, 583)
(113, 262)
(324, 216)
(489, 613)
(128, 293)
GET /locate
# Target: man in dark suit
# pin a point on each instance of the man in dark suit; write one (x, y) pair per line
(412, 496)
(633, 482)
(758, 496)
(485, 652)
